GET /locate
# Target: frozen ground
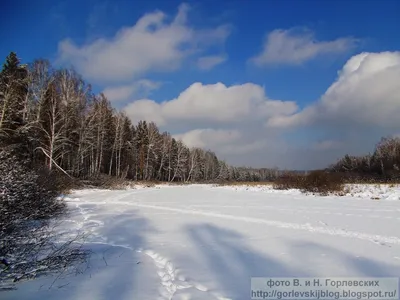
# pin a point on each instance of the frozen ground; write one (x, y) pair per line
(203, 242)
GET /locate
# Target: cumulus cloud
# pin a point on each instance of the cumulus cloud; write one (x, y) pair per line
(136, 89)
(215, 103)
(208, 137)
(227, 142)
(244, 126)
(366, 94)
(145, 109)
(296, 46)
(152, 44)
(360, 107)
(225, 119)
(208, 62)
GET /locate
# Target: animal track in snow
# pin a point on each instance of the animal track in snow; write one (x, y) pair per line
(172, 281)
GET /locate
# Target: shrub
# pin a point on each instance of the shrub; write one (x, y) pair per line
(288, 181)
(323, 183)
(319, 182)
(28, 203)
(108, 182)
(25, 193)
(56, 181)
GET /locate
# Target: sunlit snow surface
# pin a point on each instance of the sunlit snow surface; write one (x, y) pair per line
(206, 242)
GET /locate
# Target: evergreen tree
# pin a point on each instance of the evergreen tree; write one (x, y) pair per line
(13, 91)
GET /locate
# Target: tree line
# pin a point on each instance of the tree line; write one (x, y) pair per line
(34, 138)
(382, 165)
(64, 126)
(59, 123)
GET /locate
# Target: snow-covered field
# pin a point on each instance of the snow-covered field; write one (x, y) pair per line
(205, 242)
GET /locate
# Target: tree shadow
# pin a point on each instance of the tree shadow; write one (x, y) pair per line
(113, 270)
(117, 264)
(127, 229)
(345, 262)
(233, 262)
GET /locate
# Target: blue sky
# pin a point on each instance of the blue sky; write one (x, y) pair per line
(310, 42)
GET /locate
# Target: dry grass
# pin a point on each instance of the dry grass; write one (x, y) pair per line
(375, 185)
(113, 183)
(245, 183)
(179, 183)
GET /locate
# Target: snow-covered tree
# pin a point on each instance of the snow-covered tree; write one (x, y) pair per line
(13, 90)
(27, 203)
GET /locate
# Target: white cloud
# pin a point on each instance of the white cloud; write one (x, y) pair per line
(152, 44)
(225, 141)
(140, 88)
(366, 94)
(208, 137)
(145, 109)
(362, 105)
(209, 62)
(214, 103)
(225, 119)
(297, 46)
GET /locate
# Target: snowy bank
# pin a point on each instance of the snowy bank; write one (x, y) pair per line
(367, 191)
(199, 242)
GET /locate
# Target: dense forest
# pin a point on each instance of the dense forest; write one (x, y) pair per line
(64, 126)
(53, 117)
(382, 165)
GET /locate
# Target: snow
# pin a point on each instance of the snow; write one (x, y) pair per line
(371, 191)
(375, 191)
(206, 242)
